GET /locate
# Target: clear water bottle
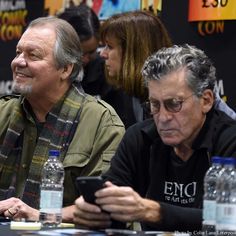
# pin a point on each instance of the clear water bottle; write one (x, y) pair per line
(51, 191)
(226, 199)
(209, 198)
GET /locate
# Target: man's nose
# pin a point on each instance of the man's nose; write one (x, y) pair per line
(19, 60)
(164, 115)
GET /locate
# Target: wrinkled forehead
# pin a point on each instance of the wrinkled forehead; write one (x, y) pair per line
(43, 31)
(38, 38)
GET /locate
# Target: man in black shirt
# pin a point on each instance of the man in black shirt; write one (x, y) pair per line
(156, 175)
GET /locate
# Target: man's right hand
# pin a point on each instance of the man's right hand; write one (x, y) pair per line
(90, 216)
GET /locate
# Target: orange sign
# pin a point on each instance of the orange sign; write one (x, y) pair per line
(206, 10)
(53, 6)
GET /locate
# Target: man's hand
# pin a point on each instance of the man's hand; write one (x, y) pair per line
(126, 205)
(117, 203)
(15, 209)
(90, 216)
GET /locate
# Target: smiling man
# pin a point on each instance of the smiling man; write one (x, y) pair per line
(156, 175)
(52, 112)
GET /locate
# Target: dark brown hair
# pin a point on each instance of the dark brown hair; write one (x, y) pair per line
(140, 34)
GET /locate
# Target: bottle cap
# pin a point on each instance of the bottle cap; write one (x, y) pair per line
(54, 153)
(217, 160)
(229, 161)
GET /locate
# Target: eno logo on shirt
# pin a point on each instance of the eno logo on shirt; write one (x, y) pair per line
(180, 190)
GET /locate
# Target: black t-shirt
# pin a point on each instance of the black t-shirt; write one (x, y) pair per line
(184, 179)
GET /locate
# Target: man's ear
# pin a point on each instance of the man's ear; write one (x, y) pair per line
(66, 71)
(207, 100)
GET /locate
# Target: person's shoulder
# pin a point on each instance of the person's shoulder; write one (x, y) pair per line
(223, 119)
(94, 102)
(223, 128)
(9, 99)
(146, 127)
(224, 125)
(99, 107)
(7, 105)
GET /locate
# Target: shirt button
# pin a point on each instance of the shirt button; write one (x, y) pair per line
(24, 166)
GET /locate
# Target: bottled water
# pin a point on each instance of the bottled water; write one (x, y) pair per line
(209, 198)
(226, 199)
(51, 191)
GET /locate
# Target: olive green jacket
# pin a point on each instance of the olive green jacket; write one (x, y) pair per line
(95, 141)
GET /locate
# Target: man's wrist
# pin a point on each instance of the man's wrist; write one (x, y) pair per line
(68, 214)
(152, 214)
(35, 215)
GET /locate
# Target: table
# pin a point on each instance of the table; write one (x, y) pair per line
(6, 231)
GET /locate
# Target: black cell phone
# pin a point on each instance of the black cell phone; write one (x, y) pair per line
(88, 185)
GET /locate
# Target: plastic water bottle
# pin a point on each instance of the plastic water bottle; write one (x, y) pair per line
(209, 198)
(226, 199)
(51, 191)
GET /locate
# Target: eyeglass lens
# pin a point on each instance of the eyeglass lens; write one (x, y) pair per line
(172, 105)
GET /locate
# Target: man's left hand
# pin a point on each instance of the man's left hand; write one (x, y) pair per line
(15, 209)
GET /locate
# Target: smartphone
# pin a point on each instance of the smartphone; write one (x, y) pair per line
(88, 185)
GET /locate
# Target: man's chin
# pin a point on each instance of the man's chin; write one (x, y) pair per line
(21, 89)
(169, 141)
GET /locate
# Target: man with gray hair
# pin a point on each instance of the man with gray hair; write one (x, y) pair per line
(156, 176)
(51, 113)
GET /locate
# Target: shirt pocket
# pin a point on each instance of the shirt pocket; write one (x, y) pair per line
(76, 160)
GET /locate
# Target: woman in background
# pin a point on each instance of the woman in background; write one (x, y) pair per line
(129, 38)
(132, 36)
(87, 25)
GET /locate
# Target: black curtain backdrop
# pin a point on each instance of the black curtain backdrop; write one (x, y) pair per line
(218, 44)
(33, 9)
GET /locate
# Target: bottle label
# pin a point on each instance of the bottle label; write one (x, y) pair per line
(209, 212)
(51, 201)
(226, 216)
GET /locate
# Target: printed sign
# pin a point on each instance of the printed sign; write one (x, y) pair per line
(14, 17)
(205, 10)
(107, 8)
(152, 5)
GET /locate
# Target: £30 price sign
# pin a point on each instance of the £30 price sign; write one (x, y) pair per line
(214, 3)
(206, 10)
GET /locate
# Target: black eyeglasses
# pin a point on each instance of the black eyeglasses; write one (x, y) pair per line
(172, 105)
